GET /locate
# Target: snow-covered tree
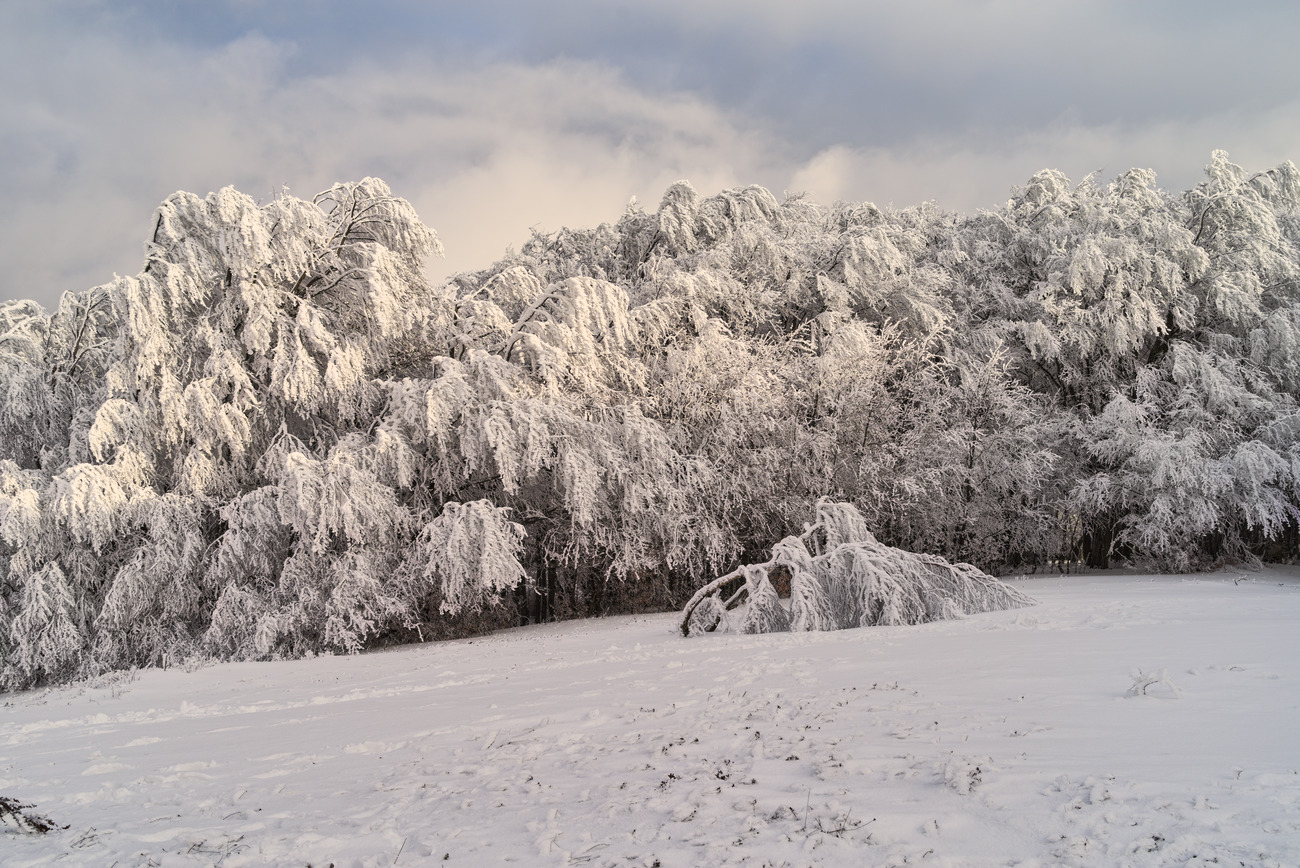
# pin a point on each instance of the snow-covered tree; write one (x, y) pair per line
(1088, 281)
(842, 577)
(278, 439)
(239, 358)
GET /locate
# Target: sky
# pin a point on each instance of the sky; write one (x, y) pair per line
(496, 119)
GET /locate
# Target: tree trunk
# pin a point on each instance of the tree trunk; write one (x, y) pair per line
(1094, 548)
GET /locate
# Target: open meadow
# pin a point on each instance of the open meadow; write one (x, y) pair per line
(1010, 738)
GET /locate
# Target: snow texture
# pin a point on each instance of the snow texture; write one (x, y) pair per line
(1002, 739)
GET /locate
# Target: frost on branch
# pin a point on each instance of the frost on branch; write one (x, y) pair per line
(46, 636)
(841, 577)
(472, 551)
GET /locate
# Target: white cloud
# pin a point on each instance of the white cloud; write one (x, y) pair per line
(484, 153)
(98, 127)
(970, 172)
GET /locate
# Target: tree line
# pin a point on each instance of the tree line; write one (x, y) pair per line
(279, 439)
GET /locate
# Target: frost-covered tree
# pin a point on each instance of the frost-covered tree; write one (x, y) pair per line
(243, 358)
(997, 459)
(1193, 455)
(1238, 220)
(278, 439)
(1123, 296)
(52, 370)
(1195, 468)
(1088, 281)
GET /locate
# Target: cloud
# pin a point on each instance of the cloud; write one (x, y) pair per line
(879, 73)
(484, 152)
(495, 119)
(973, 172)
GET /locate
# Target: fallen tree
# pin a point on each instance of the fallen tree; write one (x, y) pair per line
(840, 576)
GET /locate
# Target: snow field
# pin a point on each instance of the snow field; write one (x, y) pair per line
(1008, 738)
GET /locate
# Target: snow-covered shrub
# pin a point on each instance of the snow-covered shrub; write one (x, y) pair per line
(841, 577)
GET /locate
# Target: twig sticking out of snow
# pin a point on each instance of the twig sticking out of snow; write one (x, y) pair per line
(1142, 682)
(840, 577)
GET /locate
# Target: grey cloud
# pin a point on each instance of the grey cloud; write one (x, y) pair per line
(494, 117)
(485, 153)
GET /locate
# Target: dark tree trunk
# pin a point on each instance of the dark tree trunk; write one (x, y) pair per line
(1094, 548)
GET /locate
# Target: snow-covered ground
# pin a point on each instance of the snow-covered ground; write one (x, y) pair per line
(1003, 739)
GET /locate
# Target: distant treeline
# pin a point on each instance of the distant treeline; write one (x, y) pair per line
(278, 439)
